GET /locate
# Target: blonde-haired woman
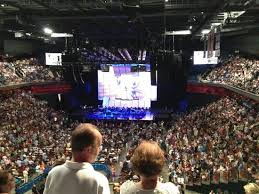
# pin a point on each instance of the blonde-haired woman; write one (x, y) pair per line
(148, 161)
(251, 188)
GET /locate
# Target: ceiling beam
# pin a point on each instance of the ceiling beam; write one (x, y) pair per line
(109, 11)
(39, 2)
(221, 5)
(13, 4)
(76, 5)
(64, 18)
(3, 12)
(113, 16)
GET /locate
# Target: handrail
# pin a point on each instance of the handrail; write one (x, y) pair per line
(28, 186)
(227, 87)
(199, 83)
(26, 84)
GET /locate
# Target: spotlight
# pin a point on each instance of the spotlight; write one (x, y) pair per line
(2, 5)
(48, 31)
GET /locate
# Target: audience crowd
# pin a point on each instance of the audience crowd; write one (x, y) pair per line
(239, 72)
(214, 144)
(32, 135)
(24, 71)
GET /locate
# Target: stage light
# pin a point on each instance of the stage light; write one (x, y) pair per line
(2, 5)
(48, 31)
(120, 52)
(127, 54)
(144, 55)
(166, 0)
(190, 27)
(140, 55)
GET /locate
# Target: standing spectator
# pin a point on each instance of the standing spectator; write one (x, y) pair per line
(6, 182)
(25, 175)
(78, 175)
(148, 161)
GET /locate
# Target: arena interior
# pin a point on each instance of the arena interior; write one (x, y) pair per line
(183, 73)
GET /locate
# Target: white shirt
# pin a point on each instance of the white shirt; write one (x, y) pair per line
(129, 187)
(25, 173)
(76, 178)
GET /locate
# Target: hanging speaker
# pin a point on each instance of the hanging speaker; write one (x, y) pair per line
(153, 69)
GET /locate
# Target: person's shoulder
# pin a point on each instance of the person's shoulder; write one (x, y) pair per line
(56, 169)
(127, 187)
(170, 188)
(99, 177)
(128, 184)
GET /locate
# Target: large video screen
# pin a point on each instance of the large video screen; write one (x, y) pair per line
(53, 58)
(126, 85)
(199, 59)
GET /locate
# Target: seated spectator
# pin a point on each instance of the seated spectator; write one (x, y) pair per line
(239, 72)
(6, 182)
(148, 161)
(25, 71)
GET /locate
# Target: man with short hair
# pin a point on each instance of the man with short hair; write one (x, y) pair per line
(78, 176)
(6, 182)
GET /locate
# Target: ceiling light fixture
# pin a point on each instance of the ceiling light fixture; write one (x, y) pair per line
(205, 31)
(48, 31)
(179, 32)
(216, 23)
(61, 35)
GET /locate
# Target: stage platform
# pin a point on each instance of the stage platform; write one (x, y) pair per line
(118, 113)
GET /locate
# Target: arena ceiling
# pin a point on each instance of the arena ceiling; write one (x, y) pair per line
(126, 18)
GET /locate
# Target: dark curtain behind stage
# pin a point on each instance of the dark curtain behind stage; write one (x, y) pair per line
(171, 80)
(84, 87)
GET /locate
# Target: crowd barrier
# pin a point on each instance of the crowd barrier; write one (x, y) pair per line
(218, 89)
(230, 188)
(28, 186)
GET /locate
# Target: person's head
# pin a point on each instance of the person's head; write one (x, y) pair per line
(148, 159)
(7, 183)
(86, 142)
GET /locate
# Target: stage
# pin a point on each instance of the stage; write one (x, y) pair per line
(119, 113)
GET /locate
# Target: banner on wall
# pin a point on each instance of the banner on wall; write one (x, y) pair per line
(209, 44)
(205, 46)
(211, 40)
(217, 45)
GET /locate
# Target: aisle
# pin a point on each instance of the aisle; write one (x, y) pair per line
(121, 160)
